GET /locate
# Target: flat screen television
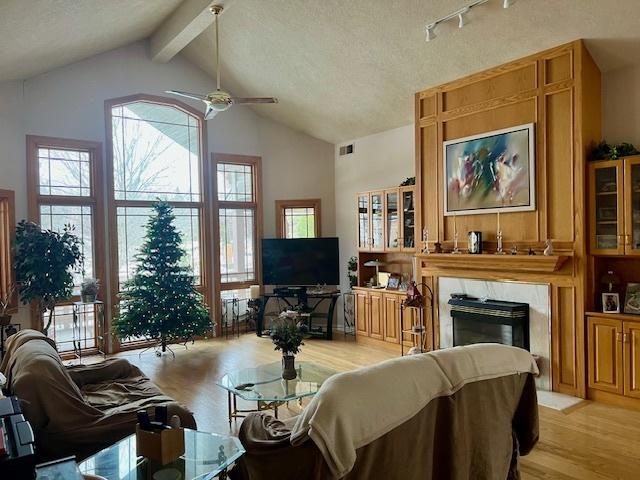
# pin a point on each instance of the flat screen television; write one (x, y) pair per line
(300, 261)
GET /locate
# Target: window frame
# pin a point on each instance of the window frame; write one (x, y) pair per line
(113, 204)
(95, 201)
(8, 226)
(283, 205)
(255, 205)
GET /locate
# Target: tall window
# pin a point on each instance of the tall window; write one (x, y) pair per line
(239, 217)
(65, 188)
(7, 229)
(298, 218)
(156, 150)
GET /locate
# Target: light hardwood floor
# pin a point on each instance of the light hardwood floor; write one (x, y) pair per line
(595, 441)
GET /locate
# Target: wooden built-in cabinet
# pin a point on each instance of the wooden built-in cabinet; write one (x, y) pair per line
(387, 220)
(614, 354)
(614, 208)
(378, 315)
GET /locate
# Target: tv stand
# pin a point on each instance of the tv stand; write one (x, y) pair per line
(302, 297)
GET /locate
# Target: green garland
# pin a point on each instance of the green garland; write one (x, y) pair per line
(604, 151)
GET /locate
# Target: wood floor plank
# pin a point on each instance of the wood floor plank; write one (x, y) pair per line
(594, 442)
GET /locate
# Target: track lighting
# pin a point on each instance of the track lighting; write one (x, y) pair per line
(461, 21)
(460, 15)
(430, 33)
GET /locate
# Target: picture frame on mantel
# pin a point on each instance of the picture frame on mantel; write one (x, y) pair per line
(490, 172)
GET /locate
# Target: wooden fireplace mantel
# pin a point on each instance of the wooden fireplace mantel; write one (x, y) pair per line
(492, 262)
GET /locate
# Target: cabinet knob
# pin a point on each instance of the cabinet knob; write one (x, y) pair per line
(625, 338)
(619, 337)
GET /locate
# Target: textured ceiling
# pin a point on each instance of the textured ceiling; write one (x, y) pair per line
(39, 35)
(341, 68)
(344, 69)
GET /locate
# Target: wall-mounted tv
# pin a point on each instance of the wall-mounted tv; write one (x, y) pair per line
(300, 261)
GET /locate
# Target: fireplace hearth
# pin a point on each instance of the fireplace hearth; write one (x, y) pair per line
(489, 321)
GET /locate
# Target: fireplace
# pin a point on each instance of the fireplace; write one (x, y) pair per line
(489, 321)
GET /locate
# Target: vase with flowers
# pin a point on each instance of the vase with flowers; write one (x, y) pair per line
(287, 334)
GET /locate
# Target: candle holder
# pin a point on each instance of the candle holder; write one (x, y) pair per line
(456, 250)
(499, 250)
(425, 242)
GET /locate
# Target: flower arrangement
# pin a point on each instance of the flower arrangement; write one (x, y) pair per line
(287, 334)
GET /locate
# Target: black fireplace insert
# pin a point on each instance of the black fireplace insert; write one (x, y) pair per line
(489, 321)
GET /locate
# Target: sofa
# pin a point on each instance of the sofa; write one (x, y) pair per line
(460, 413)
(82, 409)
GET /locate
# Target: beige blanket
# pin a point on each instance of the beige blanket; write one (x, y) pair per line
(396, 390)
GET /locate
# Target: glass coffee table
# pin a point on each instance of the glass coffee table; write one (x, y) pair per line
(207, 456)
(265, 386)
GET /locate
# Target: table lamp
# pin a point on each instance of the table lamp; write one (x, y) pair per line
(375, 263)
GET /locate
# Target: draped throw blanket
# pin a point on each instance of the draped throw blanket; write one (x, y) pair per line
(353, 409)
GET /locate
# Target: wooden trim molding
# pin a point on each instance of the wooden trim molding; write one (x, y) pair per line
(282, 205)
(7, 236)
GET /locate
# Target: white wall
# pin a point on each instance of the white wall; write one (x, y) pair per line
(382, 160)
(68, 102)
(621, 105)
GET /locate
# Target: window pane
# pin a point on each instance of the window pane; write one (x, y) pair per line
(55, 217)
(237, 263)
(156, 153)
(299, 222)
(235, 182)
(64, 172)
(132, 223)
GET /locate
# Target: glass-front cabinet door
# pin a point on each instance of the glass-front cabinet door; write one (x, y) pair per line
(392, 220)
(632, 206)
(408, 228)
(606, 208)
(377, 221)
(363, 222)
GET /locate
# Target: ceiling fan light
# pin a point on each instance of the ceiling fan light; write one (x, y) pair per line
(506, 3)
(461, 20)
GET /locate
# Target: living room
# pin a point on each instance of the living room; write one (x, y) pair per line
(210, 269)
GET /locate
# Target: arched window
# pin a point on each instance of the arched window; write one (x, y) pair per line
(155, 151)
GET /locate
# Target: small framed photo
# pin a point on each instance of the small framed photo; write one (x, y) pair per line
(394, 282)
(610, 303)
(632, 299)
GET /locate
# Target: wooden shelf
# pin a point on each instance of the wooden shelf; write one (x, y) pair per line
(487, 261)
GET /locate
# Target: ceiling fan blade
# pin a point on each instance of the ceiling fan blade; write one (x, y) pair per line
(193, 96)
(250, 100)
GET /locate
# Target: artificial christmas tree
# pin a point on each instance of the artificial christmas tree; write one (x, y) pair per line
(160, 301)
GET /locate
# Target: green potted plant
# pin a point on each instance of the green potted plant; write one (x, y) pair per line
(89, 290)
(352, 271)
(5, 302)
(45, 262)
(287, 335)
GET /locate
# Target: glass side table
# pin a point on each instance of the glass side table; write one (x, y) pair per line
(207, 456)
(265, 386)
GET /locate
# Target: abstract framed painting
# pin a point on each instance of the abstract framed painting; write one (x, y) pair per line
(491, 172)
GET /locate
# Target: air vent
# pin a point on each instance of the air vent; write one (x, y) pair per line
(346, 149)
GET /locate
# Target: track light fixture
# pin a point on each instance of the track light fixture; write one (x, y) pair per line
(430, 34)
(460, 15)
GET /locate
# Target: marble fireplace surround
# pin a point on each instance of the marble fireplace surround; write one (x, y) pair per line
(537, 295)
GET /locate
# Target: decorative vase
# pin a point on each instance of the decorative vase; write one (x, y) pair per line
(5, 320)
(289, 367)
(87, 298)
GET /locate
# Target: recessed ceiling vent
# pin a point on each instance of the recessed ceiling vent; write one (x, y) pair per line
(346, 149)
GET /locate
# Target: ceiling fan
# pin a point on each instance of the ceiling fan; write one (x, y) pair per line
(219, 100)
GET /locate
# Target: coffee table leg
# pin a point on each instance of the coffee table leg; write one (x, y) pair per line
(275, 410)
(229, 406)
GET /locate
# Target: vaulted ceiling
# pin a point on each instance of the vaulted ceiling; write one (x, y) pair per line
(341, 69)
